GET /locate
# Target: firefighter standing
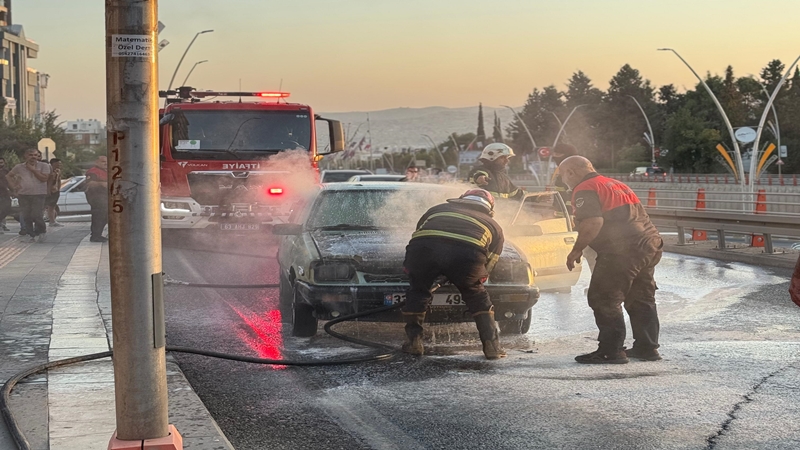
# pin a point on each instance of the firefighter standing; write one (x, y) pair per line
(459, 240)
(613, 222)
(491, 174)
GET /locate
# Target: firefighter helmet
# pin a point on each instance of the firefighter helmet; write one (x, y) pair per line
(496, 150)
(480, 196)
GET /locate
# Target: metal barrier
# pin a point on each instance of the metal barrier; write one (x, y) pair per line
(737, 223)
(760, 202)
(681, 178)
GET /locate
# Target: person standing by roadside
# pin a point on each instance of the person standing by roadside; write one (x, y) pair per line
(97, 196)
(794, 285)
(5, 196)
(611, 219)
(29, 181)
(53, 192)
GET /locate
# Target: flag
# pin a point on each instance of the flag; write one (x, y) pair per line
(360, 144)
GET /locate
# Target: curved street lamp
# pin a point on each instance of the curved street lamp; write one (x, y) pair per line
(652, 139)
(444, 167)
(558, 136)
(533, 143)
(192, 70)
(736, 150)
(171, 80)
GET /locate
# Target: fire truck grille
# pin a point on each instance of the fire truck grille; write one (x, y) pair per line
(226, 189)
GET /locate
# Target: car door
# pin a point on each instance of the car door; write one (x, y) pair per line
(73, 201)
(542, 230)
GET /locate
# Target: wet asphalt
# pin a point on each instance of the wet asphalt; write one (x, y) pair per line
(730, 377)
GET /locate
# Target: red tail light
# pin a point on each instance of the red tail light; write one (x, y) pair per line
(275, 191)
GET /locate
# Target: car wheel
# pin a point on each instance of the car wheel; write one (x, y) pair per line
(304, 324)
(516, 326)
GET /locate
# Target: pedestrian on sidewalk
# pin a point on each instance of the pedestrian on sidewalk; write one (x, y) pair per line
(97, 196)
(5, 196)
(53, 192)
(29, 181)
(611, 219)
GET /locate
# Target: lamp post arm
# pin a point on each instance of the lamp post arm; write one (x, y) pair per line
(437, 150)
(737, 152)
(558, 136)
(175, 73)
(754, 158)
(530, 136)
(652, 137)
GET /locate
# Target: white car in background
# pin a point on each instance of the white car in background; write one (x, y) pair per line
(71, 202)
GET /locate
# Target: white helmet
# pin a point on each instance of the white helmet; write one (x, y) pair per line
(496, 150)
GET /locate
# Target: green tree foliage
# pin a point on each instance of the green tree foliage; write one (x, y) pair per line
(497, 129)
(481, 131)
(23, 134)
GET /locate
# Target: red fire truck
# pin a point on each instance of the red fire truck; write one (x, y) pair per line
(237, 165)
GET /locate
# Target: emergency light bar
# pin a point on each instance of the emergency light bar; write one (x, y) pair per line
(188, 92)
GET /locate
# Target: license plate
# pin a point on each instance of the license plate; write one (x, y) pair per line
(438, 299)
(239, 226)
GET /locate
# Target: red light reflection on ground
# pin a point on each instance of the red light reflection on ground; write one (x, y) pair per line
(264, 336)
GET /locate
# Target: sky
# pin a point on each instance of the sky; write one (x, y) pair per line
(366, 55)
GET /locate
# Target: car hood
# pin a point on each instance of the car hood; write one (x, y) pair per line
(380, 251)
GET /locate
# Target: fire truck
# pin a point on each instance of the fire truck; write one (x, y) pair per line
(234, 165)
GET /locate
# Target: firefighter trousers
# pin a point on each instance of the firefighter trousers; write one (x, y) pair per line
(625, 279)
(462, 264)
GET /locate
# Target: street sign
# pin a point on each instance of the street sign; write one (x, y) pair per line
(783, 152)
(452, 169)
(745, 135)
(544, 152)
(780, 162)
(48, 147)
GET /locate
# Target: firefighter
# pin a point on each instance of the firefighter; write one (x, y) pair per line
(460, 241)
(491, 174)
(614, 223)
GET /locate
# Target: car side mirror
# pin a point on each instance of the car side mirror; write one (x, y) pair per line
(287, 229)
(166, 119)
(335, 134)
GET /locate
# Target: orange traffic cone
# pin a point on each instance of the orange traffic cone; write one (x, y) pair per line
(699, 235)
(761, 202)
(756, 240)
(651, 198)
(700, 205)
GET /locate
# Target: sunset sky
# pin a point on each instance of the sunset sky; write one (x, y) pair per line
(361, 55)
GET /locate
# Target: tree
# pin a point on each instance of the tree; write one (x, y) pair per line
(481, 132)
(497, 130)
(580, 91)
(771, 74)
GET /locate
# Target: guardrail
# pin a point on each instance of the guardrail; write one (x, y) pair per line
(756, 225)
(760, 202)
(681, 178)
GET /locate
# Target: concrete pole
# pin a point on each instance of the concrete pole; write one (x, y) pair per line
(652, 137)
(137, 307)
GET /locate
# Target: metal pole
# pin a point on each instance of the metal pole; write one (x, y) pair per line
(184, 56)
(185, 80)
(736, 150)
(753, 159)
(137, 307)
(444, 167)
(652, 137)
(558, 136)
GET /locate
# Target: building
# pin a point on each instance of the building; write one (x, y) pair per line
(86, 133)
(22, 86)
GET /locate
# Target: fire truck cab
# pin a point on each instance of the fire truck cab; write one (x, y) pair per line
(237, 165)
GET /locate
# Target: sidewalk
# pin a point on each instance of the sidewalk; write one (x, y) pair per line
(55, 303)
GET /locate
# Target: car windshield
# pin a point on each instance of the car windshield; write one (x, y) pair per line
(244, 131)
(385, 208)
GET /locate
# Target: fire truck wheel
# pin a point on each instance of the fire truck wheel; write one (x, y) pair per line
(304, 324)
(516, 326)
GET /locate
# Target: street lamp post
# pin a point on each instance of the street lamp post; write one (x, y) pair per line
(533, 142)
(753, 162)
(192, 70)
(444, 167)
(171, 80)
(652, 139)
(558, 136)
(736, 150)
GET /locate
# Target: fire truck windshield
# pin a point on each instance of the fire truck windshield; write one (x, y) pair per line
(243, 133)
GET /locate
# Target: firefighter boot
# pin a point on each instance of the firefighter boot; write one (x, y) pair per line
(413, 346)
(487, 328)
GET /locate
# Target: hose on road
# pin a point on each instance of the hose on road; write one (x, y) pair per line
(387, 353)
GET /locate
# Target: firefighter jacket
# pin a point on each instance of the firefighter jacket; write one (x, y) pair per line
(626, 225)
(500, 185)
(557, 184)
(464, 222)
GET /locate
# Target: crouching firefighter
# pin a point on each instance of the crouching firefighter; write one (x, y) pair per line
(460, 241)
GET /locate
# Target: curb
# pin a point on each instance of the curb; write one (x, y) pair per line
(783, 261)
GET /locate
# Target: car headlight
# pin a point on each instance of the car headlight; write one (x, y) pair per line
(334, 271)
(177, 205)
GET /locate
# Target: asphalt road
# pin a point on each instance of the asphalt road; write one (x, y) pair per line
(730, 377)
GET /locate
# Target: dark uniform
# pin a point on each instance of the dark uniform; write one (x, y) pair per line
(500, 185)
(628, 249)
(461, 241)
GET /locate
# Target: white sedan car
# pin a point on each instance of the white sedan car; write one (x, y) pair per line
(72, 200)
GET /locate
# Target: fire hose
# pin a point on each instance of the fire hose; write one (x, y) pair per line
(386, 353)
